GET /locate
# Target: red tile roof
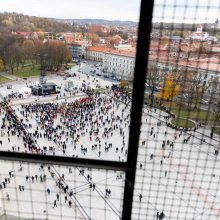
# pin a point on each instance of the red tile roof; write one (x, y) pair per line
(126, 53)
(99, 49)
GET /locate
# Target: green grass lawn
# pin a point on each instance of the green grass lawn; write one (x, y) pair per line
(28, 71)
(3, 79)
(198, 115)
(216, 130)
(71, 64)
(99, 90)
(183, 123)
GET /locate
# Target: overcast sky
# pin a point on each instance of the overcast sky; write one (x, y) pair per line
(175, 10)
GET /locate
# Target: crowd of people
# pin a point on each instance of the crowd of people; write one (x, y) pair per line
(67, 128)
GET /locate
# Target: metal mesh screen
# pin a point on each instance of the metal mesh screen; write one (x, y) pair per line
(43, 191)
(177, 171)
(178, 165)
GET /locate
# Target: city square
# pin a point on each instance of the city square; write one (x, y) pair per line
(75, 124)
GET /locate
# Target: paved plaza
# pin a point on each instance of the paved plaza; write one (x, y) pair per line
(178, 171)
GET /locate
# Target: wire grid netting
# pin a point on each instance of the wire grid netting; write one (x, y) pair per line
(178, 170)
(43, 191)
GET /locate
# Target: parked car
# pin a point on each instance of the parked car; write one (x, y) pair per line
(113, 77)
(204, 102)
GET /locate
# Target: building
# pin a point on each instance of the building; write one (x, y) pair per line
(50, 35)
(199, 34)
(96, 53)
(78, 49)
(99, 29)
(124, 47)
(26, 35)
(120, 63)
(72, 37)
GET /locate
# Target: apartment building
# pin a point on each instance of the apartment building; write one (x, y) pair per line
(120, 63)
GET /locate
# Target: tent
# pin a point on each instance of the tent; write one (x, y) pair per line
(25, 91)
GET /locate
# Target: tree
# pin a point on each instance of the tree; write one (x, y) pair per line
(124, 84)
(2, 66)
(217, 35)
(197, 87)
(28, 52)
(169, 90)
(40, 35)
(94, 38)
(153, 76)
(13, 55)
(8, 22)
(164, 41)
(53, 55)
(182, 33)
(215, 100)
(115, 40)
(6, 40)
(124, 36)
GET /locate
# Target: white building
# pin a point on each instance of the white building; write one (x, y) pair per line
(78, 49)
(199, 34)
(119, 63)
(124, 47)
(96, 53)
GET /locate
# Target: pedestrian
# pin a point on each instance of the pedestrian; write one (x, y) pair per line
(55, 203)
(140, 197)
(158, 214)
(161, 216)
(48, 191)
(70, 204)
(7, 196)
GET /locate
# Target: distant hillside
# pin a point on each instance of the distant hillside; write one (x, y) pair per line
(19, 22)
(98, 22)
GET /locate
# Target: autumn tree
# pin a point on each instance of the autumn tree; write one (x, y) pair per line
(124, 84)
(39, 51)
(164, 41)
(8, 22)
(28, 52)
(53, 55)
(13, 54)
(94, 38)
(2, 66)
(169, 90)
(40, 35)
(115, 40)
(7, 39)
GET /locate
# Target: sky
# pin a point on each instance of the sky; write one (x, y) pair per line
(197, 11)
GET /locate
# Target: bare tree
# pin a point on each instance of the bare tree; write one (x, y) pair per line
(13, 56)
(154, 76)
(196, 86)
